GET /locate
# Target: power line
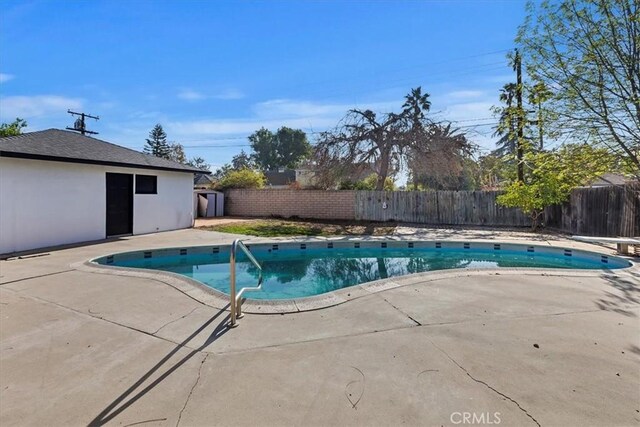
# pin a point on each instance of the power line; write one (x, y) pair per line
(493, 123)
(216, 146)
(467, 70)
(427, 64)
(79, 124)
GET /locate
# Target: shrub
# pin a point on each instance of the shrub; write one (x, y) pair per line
(369, 183)
(243, 178)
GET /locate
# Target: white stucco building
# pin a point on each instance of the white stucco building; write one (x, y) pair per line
(59, 187)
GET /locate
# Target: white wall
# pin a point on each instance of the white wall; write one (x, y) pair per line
(170, 209)
(53, 203)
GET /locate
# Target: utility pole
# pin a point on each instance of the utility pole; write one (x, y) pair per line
(79, 125)
(519, 148)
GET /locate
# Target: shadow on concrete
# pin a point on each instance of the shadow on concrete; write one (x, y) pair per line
(628, 292)
(634, 349)
(39, 252)
(128, 398)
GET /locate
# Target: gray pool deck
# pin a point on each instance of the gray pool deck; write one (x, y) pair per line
(79, 348)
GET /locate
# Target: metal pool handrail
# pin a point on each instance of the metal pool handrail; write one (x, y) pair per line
(236, 298)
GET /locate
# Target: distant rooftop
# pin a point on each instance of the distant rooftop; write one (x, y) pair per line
(284, 177)
(610, 179)
(66, 146)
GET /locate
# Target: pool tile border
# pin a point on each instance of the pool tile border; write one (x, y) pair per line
(211, 297)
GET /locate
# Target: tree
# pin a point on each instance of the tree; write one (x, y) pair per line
(292, 148)
(199, 162)
(552, 176)
(494, 171)
(14, 128)
(244, 178)
(369, 183)
(176, 153)
(377, 140)
(538, 95)
(507, 122)
(157, 144)
(242, 161)
(222, 171)
(588, 51)
(440, 159)
(284, 149)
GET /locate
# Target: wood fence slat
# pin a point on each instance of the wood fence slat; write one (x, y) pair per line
(606, 211)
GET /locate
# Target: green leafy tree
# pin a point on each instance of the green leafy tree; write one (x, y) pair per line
(588, 51)
(284, 149)
(157, 144)
(264, 148)
(242, 161)
(538, 95)
(244, 178)
(293, 147)
(552, 175)
(507, 121)
(222, 171)
(238, 162)
(494, 171)
(369, 183)
(12, 129)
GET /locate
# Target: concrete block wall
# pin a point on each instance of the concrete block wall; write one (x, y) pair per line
(316, 204)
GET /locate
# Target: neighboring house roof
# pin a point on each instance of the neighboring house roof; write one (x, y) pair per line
(609, 179)
(203, 179)
(285, 177)
(65, 146)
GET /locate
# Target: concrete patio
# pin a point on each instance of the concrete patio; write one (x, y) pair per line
(79, 348)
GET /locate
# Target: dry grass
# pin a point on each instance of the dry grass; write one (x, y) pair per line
(285, 228)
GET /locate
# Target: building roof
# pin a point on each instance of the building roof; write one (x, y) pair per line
(285, 177)
(65, 146)
(610, 179)
(203, 179)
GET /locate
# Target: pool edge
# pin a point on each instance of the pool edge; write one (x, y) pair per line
(216, 299)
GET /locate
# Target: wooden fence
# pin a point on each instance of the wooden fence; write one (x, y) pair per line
(437, 207)
(604, 211)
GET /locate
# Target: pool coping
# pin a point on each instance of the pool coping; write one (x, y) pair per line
(219, 300)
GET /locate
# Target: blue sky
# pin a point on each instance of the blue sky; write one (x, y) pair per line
(213, 72)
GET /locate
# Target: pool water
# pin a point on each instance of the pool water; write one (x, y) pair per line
(301, 273)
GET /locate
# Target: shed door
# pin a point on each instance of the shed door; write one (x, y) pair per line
(119, 204)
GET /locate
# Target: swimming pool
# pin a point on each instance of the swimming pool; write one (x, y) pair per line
(295, 270)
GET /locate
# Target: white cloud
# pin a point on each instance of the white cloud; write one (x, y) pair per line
(214, 128)
(465, 94)
(193, 95)
(140, 114)
(272, 114)
(190, 95)
(318, 116)
(277, 108)
(35, 106)
(468, 110)
(6, 77)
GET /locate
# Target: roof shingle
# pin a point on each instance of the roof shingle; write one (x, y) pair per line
(61, 145)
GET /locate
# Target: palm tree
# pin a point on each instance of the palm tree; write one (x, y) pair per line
(538, 95)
